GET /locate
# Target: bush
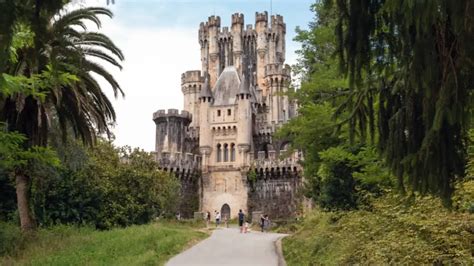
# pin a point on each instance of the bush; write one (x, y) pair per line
(105, 190)
(11, 239)
(348, 177)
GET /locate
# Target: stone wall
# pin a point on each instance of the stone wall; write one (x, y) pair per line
(277, 197)
(189, 193)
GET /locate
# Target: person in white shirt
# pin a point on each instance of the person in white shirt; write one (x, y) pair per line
(218, 219)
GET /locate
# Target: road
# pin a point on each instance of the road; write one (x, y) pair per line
(227, 246)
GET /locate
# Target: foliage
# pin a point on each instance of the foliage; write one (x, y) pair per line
(11, 239)
(104, 189)
(419, 56)
(470, 155)
(337, 185)
(68, 245)
(398, 230)
(48, 70)
(348, 177)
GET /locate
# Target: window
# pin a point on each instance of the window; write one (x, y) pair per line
(218, 112)
(226, 152)
(232, 152)
(229, 112)
(219, 153)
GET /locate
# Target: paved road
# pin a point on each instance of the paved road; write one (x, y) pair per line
(227, 246)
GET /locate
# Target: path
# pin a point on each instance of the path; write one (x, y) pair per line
(226, 246)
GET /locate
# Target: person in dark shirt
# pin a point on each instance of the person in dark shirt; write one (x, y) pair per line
(241, 220)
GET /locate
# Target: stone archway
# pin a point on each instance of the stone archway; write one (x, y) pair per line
(225, 212)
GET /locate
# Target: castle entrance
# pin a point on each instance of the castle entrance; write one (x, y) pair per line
(225, 211)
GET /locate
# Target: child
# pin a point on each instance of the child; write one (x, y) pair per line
(246, 227)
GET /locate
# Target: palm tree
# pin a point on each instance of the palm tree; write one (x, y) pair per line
(65, 45)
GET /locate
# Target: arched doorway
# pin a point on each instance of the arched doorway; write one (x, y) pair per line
(225, 211)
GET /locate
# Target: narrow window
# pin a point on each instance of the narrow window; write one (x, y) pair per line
(218, 112)
(226, 152)
(229, 112)
(232, 152)
(219, 153)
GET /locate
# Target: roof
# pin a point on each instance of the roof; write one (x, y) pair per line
(227, 87)
(206, 89)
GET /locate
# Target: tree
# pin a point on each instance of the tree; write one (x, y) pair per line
(78, 101)
(422, 55)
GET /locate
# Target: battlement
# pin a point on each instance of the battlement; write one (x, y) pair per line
(238, 18)
(261, 17)
(214, 21)
(191, 76)
(277, 20)
(203, 31)
(277, 69)
(162, 114)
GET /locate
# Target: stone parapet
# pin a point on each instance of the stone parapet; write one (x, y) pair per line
(192, 76)
(277, 69)
(174, 161)
(162, 114)
(238, 18)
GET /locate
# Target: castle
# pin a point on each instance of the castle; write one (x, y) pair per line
(221, 145)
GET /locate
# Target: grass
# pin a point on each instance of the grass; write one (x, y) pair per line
(397, 230)
(135, 245)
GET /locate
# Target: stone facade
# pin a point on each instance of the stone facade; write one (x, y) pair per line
(232, 108)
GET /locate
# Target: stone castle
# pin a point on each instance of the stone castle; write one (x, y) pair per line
(221, 145)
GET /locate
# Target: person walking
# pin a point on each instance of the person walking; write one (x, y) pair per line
(266, 223)
(262, 222)
(208, 219)
(218, 219)
(226, 221)
(241, 220)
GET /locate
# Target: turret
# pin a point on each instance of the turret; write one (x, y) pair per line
(279, 27)
(244, 124)
(261, 27)
(206, 100)
(237, 29)
(214, 24)
(170, 132)
(204, 43)
(191, 83)
(277, 79)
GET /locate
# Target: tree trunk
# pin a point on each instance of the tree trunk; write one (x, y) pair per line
(22, 195)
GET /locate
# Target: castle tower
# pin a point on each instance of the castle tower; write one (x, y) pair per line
(279, 27)
(170, 132)
(237, 29)
(261, 27)
(244, 124)
(205, 140)
(278, 79)
(191, 84)
(213, 28)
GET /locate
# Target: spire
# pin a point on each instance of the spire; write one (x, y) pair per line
(206, 89)
(244, 86)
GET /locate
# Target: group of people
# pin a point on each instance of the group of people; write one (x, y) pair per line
(218, 219)
(243, 224)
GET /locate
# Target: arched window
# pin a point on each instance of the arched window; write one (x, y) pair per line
(226, 152)
(219, 153)
(232, 152)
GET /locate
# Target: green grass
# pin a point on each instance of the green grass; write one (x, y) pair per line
(135, 245)
(397, 230)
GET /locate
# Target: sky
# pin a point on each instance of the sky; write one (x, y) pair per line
(159, 39)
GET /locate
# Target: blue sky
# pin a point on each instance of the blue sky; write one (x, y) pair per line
(159, 40)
